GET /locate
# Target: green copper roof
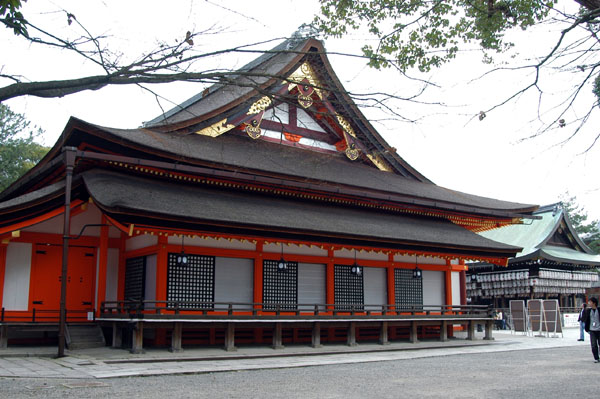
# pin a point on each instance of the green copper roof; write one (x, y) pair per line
(532, 237)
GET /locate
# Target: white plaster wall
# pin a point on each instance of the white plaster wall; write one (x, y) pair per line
(423, 260)
(212, 243)
(455, 288)
(150, 289)
(141, 241)
(295, 249)
(16, 276)
(112, 274)
(367, 255)
(92, 215)
(305, 121)
(375, 284)
(278, 114)
(434, 292)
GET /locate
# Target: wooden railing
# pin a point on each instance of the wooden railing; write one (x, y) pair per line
(192, 309)
(42, 316)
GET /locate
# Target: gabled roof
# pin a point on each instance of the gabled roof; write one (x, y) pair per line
(552, 237)
(213, 136)
(274, 76)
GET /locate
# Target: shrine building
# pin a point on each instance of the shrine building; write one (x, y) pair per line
(264, 210)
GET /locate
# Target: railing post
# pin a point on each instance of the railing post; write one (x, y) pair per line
(316, 311)
(33, 316)
(2, 318)
(230, 309)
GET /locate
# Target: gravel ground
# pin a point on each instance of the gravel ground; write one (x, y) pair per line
(548, 373)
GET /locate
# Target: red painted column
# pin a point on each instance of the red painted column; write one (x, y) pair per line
(121, 269)
(391, 285)
(448, 275)
(161, 283)
(258, 285)
(258, 273)
(329, 277)
(102, 266)
(161, 268)
(2, 271)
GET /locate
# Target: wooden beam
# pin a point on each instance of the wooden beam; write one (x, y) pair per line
(277, 337)
(414, 337)
(230, 337)
(137, 341)
(351, 341)
(176, 338)
(117, 335)
(383, 334)
(444, 331)
(471, 330)
(316, 335)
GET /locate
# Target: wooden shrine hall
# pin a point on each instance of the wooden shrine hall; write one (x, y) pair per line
(266, 209)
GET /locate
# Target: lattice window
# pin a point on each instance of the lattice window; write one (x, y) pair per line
(280, 287)
(408, 290)
(193, 282)
(135, 278)
(348, 288)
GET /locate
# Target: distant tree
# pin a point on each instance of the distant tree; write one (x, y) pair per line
(589, 232)
(18, 150)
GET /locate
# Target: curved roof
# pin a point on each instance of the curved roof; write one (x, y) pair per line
(536, 237)
(123, 197)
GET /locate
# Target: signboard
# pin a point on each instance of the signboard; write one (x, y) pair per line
(518, 316)
(570, 320)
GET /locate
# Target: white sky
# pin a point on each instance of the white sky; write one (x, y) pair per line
(447, 144)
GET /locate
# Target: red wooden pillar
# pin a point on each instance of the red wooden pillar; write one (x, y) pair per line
(258, 273)
(391, 285)
(121, 269)
(258, 285)
(448, 285)
(161, 290)
(329, 277)
(102, 265)
(2, 271)
(448, 275)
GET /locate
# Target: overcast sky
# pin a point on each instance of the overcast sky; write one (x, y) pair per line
(449, 144)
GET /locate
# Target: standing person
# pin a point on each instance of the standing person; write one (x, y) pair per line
(592, 325)
(581, 323)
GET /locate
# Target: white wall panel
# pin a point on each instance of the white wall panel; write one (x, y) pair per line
(295, 249)
(150, 289)
(345, 253)
(16, 276)
(234, 280)
(311, 284)
(455, 288)
(423, 260)
(141, 241)
(278, 114)
(112, 274)
(375, 284)
(212, 243)
(434, 292)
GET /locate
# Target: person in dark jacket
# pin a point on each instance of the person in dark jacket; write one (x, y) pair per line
(591, 319)
(581, 323)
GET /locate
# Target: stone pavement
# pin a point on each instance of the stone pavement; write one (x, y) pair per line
(28, 362)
